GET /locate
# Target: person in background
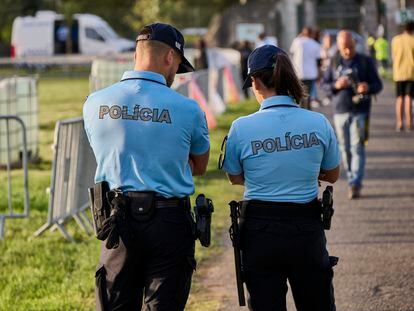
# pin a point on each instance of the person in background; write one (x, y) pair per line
(62, 33)
(402, 49)
(313, 94)
(352, 79)
(306, 56)
(381, 55)
(371, 45)
(316, 34)
(201, 61)
(328, 53)
(245, 50)
(263, 39)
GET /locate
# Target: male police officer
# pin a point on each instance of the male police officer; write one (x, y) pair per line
(148, 139)
(351, 80)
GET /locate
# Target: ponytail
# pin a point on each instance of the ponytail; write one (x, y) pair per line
(283, 78)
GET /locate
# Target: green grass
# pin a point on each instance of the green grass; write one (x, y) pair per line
(48, 273)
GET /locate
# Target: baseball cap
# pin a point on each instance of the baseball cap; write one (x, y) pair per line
(169, 35)
(260, 59)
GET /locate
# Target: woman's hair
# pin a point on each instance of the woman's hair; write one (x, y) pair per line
(282, 78)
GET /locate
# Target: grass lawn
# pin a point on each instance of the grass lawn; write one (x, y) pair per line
(48, 273)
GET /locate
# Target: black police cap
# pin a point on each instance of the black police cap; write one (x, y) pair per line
(169, 35)
(261, 59)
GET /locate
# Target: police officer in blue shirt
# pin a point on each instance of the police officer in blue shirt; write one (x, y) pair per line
(148, 141)
(279, 153)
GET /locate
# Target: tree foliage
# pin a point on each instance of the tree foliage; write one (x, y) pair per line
(125, 16)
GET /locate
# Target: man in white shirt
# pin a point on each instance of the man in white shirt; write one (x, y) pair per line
(306, 56)
(263, 39)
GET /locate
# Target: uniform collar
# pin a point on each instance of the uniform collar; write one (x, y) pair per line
(146, 75)
(281, 100)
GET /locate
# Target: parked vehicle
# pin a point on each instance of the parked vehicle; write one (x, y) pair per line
(46, 33)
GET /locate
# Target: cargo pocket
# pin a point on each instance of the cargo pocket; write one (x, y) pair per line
(100, 288)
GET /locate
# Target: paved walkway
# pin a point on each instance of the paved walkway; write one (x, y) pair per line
(373, 236)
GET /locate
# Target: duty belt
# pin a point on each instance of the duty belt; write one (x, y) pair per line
(257, 208)
(162, 202)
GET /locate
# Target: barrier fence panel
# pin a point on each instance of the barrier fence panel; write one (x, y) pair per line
(105, 72)
(18, 96)
(7, 124)
(73, 173)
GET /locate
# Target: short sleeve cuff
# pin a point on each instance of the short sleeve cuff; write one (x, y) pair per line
(232, 170)
(199, 150)
(330, 165)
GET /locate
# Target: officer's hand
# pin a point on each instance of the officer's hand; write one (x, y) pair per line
(342, 83)
(362, 88)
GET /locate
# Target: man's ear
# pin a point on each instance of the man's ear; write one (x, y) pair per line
(169, 57)
(135, 56)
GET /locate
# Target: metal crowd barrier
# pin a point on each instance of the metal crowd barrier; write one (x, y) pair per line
(73, 171)
(18, 97)
(11, 213)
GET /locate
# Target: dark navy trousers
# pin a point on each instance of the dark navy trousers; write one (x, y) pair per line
(277, 249)
(155, 272)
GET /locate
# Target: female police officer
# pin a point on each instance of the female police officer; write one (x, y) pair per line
(278, 153)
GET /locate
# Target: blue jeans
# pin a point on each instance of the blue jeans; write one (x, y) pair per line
(351, 133)
(313, 91)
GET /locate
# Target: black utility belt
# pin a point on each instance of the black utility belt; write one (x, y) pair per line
(113, 210)
(258, 208)
(160, 201)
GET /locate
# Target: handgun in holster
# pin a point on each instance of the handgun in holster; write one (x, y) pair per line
(109, 210)
(327, 207)
(99, 205)
(202, 210)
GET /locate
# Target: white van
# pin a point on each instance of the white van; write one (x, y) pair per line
(46, 34)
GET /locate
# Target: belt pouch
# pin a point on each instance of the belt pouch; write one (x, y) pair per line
(142, 205)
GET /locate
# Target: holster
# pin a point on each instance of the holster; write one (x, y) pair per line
(203, 210)
(110, 210)
(99, 205)
(117, 225)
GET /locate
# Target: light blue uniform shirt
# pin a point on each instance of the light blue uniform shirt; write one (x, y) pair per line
(280, 149)
(142, 133)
